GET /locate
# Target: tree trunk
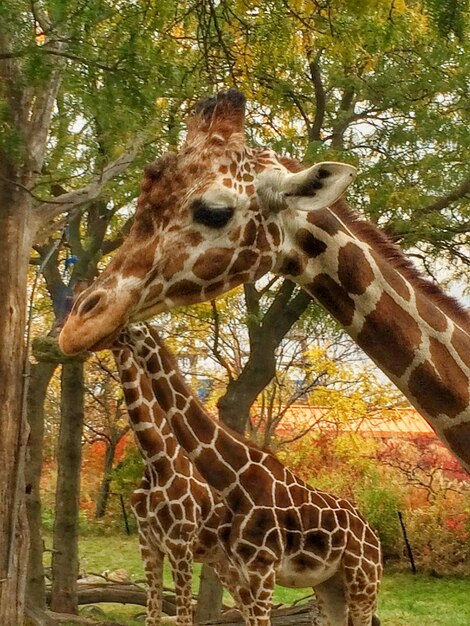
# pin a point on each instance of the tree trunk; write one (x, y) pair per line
(209, 600)
(65, 541)
(102, 500)
(40, 375)
(234, 406)
(17, 235)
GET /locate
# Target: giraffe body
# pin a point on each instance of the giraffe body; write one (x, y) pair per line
(273, 527)
(220, 213)
(177, 513)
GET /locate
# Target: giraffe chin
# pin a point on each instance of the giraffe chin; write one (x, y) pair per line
(106, 343)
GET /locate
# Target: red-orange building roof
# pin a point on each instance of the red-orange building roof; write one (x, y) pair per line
(398, 422)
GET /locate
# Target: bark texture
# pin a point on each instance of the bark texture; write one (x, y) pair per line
(103, 495)
(14, 257)
(209, 601)
(40, 375)
(65, 542)
(265, 336)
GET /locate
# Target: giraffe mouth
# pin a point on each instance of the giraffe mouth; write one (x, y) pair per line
(106, 343)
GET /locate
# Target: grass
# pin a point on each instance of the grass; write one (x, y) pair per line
(405, 600)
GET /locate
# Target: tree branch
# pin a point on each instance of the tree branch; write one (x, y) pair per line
(320, 99)
(344, 117)
(47, 211)
(443, 202)
(215, 347)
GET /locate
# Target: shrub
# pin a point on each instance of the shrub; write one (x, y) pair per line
(440, 536)
(379, 505)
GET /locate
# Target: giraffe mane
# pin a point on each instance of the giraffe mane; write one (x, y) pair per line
(380, 242)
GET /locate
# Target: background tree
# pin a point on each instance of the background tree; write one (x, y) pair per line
(106, 420)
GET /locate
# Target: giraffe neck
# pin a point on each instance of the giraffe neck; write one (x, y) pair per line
(414, 333)
(216, 453)
(153, 435)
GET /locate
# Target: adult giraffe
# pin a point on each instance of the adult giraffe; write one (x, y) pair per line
(219, 213)
(273, 527)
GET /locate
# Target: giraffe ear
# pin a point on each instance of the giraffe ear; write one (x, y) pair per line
(315, 188)
(223, 114)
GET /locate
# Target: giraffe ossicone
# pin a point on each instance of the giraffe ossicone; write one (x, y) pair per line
(185, 247)
(273, 527)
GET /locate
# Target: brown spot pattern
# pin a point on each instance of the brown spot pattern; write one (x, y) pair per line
(183, 288)
(244, 261)
(265, 265)
(333, 297)
(262, 242)
(249, 235)
(174, 264)
(293, 264)
(235, 234)
(354, 270)
(440, 386)
(232, 453)
(458, 438)
(212, 263)
(254, 480)
(273, 230)
(430, 313)
(390, 336)
(461, 342)
(154, 291)
(326, 220)
(194, 238)
(311, 245)
(392, 277)
(185, 437)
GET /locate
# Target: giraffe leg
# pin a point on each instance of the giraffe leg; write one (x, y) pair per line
(229, 579)
(257, 596)
(362, 585)
(332, 601)
(181, 562)
(362, 617)
(153, 567)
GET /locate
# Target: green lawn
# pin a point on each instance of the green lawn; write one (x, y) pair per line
(405, 600)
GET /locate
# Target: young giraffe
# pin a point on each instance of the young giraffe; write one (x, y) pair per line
(274, 526)
(220, 213)
(176, 511)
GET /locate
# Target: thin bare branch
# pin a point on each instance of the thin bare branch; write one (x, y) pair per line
(46, 211)
(215, 346)
(314, 132)
(462, 191)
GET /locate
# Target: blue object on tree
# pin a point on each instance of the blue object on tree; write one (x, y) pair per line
(69, 261)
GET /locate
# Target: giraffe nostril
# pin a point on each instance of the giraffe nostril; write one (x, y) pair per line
(90, 303)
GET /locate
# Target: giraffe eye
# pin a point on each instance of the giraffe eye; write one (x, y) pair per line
(213, 217)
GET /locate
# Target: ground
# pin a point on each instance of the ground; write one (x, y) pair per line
(405, 600)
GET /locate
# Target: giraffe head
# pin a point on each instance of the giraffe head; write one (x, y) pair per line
(207, 220)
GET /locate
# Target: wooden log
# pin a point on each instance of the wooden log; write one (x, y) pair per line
(37, 617)
(120, 593)
(302, 615)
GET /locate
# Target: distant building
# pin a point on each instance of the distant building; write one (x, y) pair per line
(390, 423)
